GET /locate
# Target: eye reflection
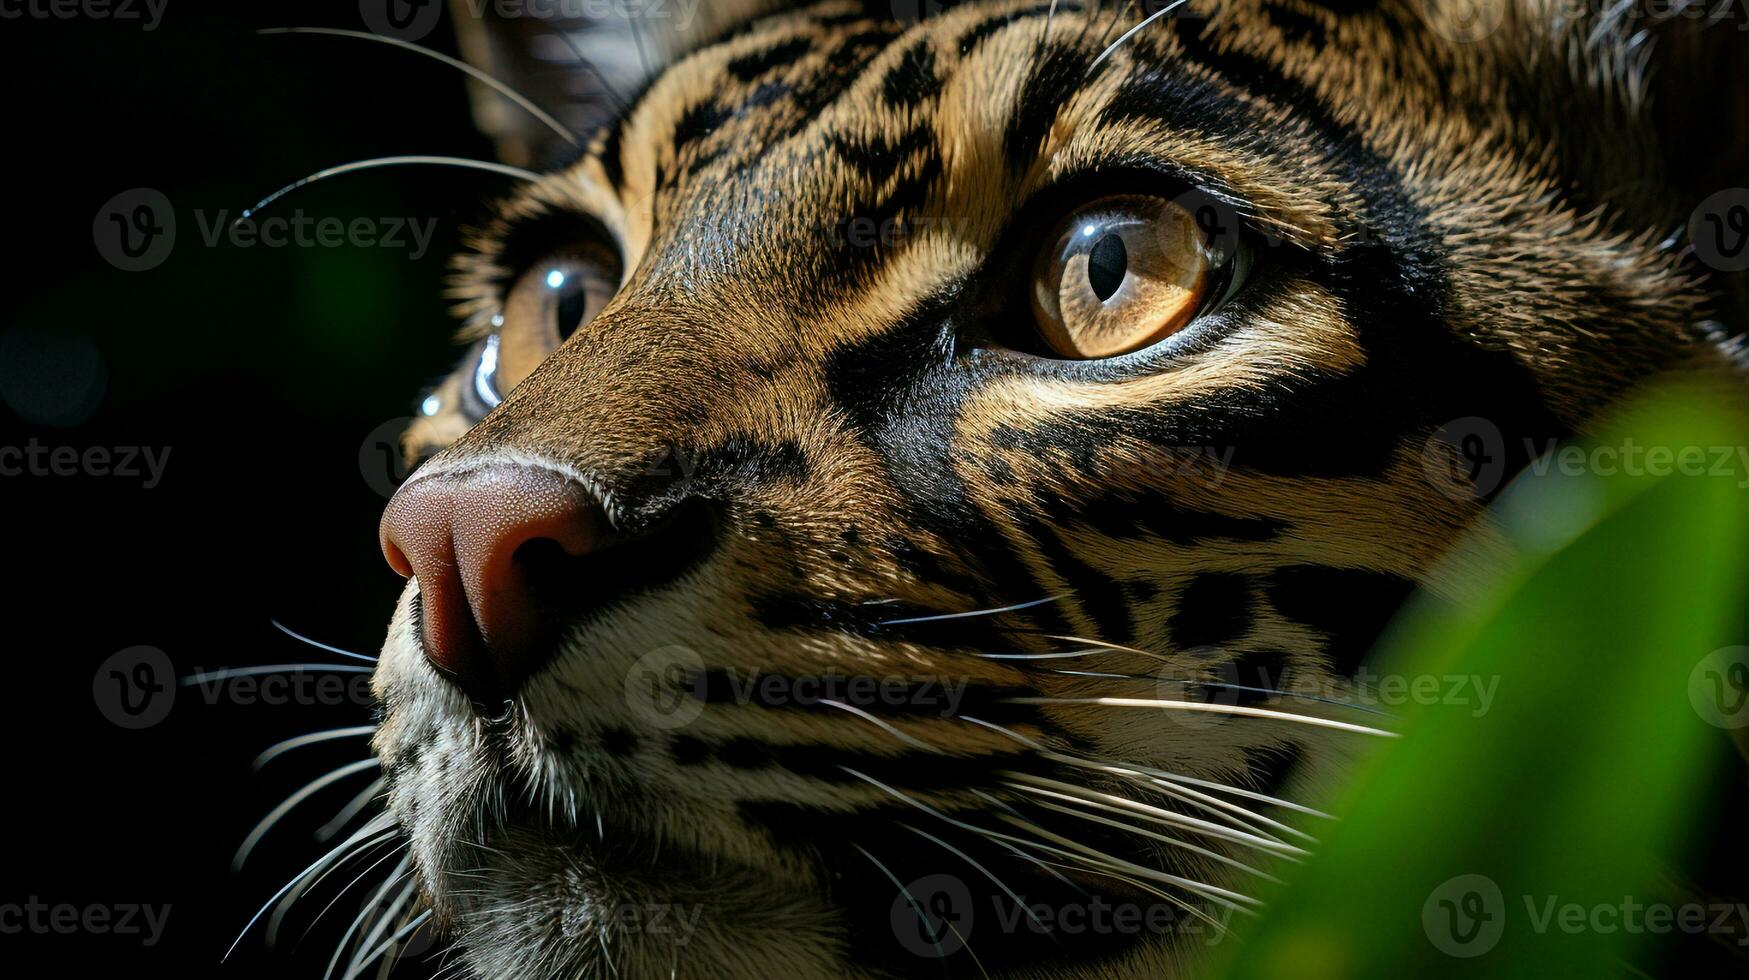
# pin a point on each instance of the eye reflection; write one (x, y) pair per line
(486, 373)
(1123, 272)
(543, 309)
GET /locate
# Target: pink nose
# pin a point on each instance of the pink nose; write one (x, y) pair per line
(476, 542)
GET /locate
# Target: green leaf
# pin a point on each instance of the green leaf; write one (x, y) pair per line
(1519, 841)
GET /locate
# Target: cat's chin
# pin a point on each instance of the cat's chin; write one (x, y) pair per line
(542, 898)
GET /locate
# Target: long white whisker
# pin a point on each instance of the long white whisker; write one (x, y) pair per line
(209, 676)
(350, 810)
(472, 72)
(1023, 740)
(1203, 800)
(1162, 780)
(395, 878)
(286, 904)
(1163, 817)
(967, 858)
(1095, 860)
(1083, 866)
(291, 801)
(1156, 15)
(1216, 709)
(383, 947)
(301, 638)
(1042, 656)
(888, 727)
(1239, 791)
(1156, 836)
(1225, 685)
(1165, 781)
(1109, 646)
(916, 906)
(974, 612)
(1000, 839)
(1069, 792)
(280, 748)
(398, 161)
(1222, 896)
(387, 964)
(382, 825)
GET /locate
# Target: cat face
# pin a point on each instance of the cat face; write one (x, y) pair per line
(904, 467)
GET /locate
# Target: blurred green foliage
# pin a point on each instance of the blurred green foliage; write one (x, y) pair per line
(1520, 841)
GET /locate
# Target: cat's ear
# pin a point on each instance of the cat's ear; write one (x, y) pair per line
(1643, 108)
(579, 61)
(1643, 104)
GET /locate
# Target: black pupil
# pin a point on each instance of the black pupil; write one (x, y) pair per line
(1107, 265)
(573, 305)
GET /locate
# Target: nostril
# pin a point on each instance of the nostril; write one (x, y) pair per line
(507, 557)
(576, 588)
(396, 558)
(466, 539)
(542, 560)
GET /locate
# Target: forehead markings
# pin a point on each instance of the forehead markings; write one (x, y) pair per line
(908, 419)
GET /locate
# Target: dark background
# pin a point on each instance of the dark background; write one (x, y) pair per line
(263, 371)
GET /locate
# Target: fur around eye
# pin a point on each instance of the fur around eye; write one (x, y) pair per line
(1119, 274)
(545, 306)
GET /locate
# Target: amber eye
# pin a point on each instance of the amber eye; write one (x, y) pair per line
(551, 300)
(1119, 274)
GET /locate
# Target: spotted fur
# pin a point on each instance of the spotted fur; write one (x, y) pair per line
(1229, 518)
